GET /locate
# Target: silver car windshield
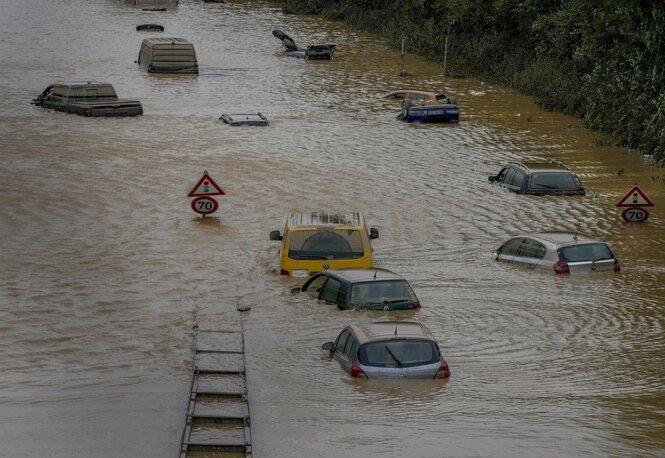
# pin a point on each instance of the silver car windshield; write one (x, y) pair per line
(381, 293)
(398, 353)
(586, 252)
(326, 244)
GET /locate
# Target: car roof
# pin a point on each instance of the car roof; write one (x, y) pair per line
(542, 166)
(391, 329)
(308, 219)
(408, 91)
(364, 275)
(561, 238)
(166, 40)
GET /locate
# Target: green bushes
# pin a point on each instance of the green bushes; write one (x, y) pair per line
(601, 60)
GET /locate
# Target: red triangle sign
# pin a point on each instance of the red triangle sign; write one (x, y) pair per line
(635, 198)
(206, 187)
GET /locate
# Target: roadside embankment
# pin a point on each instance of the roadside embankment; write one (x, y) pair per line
(601, 61)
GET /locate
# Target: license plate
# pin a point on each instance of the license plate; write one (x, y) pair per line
(299, 273)
(435, 112)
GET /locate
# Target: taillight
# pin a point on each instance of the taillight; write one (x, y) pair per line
(617, 267)
(87, 112)
(444, 371)
(561, 267)
(416, 305)
(357, 372)
(283, 272)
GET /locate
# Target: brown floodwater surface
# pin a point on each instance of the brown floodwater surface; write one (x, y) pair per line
(105, 266)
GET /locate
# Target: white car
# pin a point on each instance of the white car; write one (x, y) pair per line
(563, 252)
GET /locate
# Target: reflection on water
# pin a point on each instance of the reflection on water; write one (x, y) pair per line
(104, 262)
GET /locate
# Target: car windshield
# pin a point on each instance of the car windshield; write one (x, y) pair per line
(398, 353)
(326, 244)
(585, 252)
(554, 180)
(382, 293)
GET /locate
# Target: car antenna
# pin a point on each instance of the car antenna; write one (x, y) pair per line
(375, 271)
(577, 228)
(396, 323)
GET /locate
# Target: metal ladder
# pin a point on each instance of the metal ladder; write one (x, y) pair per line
(218, 418)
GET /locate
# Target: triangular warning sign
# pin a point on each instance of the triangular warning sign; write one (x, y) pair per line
(635, 198)
(206, 187)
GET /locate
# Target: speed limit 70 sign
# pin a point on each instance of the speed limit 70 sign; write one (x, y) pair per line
(204, 205)
(635, 215)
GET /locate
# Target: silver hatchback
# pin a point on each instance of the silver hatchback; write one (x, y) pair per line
(389, 349)
(562, 252)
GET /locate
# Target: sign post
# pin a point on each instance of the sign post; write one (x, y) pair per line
(635, 200)
(203, 204)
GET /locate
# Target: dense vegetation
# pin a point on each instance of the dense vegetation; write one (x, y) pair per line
(601, 60)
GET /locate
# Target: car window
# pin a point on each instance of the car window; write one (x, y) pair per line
(398, 353)
(326, 244)
(532, 249)
(331, 290)
(381, 292)
(585, 252)
(518, 178)
(502, 175)
(315, 283)
(418, 97)
(510, 173)
(398, 96)
(350, 345)
(554, 180)
(511, 247)
(340, 343)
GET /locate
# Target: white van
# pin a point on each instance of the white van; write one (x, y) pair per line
(168, 55)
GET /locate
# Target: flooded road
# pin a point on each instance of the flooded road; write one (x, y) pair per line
(105, 266)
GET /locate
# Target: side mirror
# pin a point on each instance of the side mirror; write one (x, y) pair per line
(494, 255)
(492, 178)
(373, 233)
(295, 290)
(275, 235)
(328, 346)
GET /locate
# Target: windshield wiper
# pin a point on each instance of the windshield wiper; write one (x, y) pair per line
(399, 299)
(394, 357)
(311, 256)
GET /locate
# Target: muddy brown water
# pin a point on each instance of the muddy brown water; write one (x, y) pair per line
(104, 265)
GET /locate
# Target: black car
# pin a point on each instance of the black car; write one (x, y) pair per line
(539, 178)
(362, 289)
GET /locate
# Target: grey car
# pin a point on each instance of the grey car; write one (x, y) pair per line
(562, 252)
(402, 349)
(539, 178)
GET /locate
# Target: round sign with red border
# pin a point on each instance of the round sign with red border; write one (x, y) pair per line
(204, 205)
(635, 214)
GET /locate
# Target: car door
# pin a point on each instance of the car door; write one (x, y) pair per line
(508, 250)
(330, 291)
(340, 347)
(314, 285)
(530, 253)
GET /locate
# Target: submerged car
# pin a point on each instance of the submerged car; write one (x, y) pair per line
(402, 349)
(313, 52)
(317, 241)
(425, 107)
(561, 252)
(539, 178)
(245, 119)
(89, 98)
(362, 289)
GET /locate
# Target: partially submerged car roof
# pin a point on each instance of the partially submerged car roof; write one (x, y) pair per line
(562, 238)
(391, 329)
(316, 219)
(363, 275)
(543, 166)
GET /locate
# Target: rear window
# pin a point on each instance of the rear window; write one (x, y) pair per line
(382, 293)
(554, 180)
(399, 353)
(586, 252)
(326, 244)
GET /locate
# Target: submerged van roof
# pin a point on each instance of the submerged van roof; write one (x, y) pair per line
(324, 219)
(166, 41)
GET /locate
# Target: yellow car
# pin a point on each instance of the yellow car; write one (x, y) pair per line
(316, 241)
